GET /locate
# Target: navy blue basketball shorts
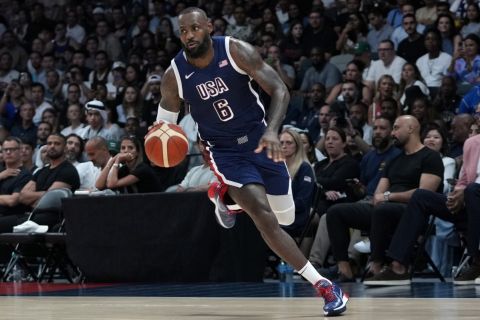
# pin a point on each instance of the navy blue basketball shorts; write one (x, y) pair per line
(237, 169)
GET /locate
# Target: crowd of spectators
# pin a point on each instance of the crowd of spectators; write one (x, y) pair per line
(80, 84)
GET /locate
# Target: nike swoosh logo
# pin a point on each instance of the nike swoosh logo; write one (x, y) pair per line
(189, 75)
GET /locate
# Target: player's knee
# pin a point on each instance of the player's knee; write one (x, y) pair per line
(283, 207)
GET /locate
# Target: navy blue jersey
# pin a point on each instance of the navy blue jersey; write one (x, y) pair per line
(221, 97)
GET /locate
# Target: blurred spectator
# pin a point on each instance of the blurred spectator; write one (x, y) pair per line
(87, 172)
(358, 120)
(133, 75)
(459, 130)
(285, 71)
(51, 116)
(241, 29)
(472, 21)
(48, 64)
(11, 101)
(353, 72)
(388, 63)
(97, 151)
(413, 46)
(25, 128)
(410, 77)
(112, 126)
(44, 129)
(19, 25)
(395, 15)
(321, 71)
(34, 65)
(303, 179)
(465, 66)
(91, 47)
(198, 178)
(74, 117)
(421, 109)
(127, 172)
(53, 89)
(7, 73)
(318, 33)
(140, 25)
(39, 22)
(38, 99)
(26, 154)
(18, 54)
(451, 39)
(219, 26)
(101, 72)
(379, 31)
(96, 119)
(120, 23)
(75, 31)
(301, 114)
(399, 32)
(165, 37)
(12, 179)
(107, 41)
(433, 65)
(389, 109)
(385, 89)
(159, 12)
(293, 47)
(427, 14)
(355, 31)
(152, 99)
(318, 129)
(447, 100)
(131, 105)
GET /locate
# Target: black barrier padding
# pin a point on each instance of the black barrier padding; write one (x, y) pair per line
(165, 237)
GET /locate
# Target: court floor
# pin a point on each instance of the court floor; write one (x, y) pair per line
(230, 301)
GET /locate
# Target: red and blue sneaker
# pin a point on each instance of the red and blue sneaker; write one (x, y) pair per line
(225, 214)
(335, 299)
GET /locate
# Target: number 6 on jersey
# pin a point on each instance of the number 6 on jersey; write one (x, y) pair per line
(223, 110)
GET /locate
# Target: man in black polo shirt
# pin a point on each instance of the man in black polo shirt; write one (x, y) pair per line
(12, 179)
(60, 173)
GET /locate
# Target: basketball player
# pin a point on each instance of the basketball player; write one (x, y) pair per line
(218, 77)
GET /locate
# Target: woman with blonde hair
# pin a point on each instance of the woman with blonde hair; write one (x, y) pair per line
(303, 178)
(386, 88)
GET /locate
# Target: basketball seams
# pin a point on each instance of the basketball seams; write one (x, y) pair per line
(166, 145)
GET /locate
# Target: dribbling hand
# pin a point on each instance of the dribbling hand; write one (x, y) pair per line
(270, 142)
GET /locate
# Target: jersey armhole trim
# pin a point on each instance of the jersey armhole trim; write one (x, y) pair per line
(179, 79)
(230, 58)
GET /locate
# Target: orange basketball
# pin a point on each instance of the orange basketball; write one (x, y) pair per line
(166, 145)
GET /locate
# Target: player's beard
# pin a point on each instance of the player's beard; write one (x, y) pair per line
(200, 50)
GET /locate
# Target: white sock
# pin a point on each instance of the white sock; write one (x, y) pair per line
(311, 274)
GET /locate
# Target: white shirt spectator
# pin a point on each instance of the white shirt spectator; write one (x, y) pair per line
(37, 118)
(11, 75)
(378, 69)
(433, 70)
(77, 33)
(78, 131)
(88, 174)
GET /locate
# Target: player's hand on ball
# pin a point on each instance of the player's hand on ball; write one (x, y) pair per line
(155, 123)
(269, 141)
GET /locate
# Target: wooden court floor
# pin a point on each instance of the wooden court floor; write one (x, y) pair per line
(133, 308)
